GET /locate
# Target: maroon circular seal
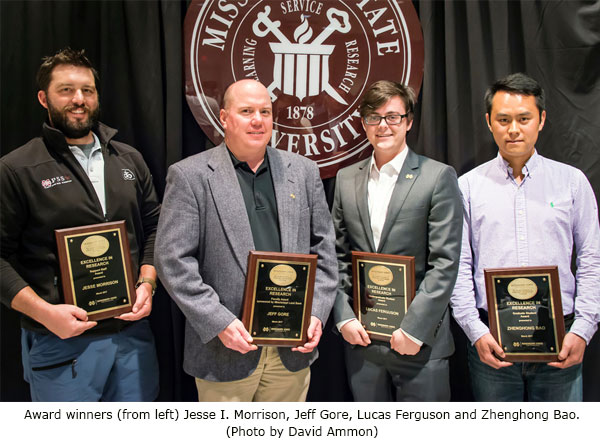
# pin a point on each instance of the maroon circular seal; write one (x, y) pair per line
(315, 57)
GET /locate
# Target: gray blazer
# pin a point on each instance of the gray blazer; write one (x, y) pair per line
(424, 220)
(202, 247)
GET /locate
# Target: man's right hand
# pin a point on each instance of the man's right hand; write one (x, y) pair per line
(66, 321)
(486, 347)
(236, 337)
(63, 320)
(355, 334)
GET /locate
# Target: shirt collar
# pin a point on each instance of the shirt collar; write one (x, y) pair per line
(237, 164)
(530, 165)
(74, 148)
(395, 163)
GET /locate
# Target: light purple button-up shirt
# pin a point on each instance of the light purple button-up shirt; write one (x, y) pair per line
(532, 224)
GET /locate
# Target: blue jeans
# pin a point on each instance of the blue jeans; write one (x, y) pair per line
(524, 381)
(114, 367)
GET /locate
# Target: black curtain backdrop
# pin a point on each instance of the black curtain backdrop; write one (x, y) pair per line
(137, 47)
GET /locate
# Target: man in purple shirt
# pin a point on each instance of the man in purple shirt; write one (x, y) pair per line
(524, 210)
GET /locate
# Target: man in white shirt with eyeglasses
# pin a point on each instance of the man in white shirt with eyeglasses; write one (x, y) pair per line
(401, 203)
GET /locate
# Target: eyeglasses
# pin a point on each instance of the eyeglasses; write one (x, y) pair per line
(373, 120)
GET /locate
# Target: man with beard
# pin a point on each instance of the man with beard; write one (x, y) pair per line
(75, 174)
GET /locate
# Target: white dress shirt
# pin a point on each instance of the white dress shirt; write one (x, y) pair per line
(380, 187)
(379, 191)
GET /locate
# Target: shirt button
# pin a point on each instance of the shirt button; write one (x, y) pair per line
(520, 212)
(522, 238)
(524, 264)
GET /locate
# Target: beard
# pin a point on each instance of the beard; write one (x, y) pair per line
(73, 129)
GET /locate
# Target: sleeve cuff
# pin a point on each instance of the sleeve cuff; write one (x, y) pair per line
(584, 329)
(414, 339)
(343, 322)
(475, 329)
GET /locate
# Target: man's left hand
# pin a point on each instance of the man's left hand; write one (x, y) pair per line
(571, 353)
(315, 330)
(143, 304)
(402, 344)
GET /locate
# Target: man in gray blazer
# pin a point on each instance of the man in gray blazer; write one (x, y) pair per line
(219, 205)
(401, 203)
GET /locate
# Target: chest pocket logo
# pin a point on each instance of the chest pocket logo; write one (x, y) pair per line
(55, 181)
(128, 174)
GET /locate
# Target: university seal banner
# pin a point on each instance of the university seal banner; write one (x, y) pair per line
(316, 58)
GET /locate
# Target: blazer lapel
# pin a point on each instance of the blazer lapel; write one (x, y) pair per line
(285, 184)
(230, 206)
(406, 179)
(362, 201)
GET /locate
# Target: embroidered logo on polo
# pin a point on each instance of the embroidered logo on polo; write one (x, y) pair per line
(128, 174)
(55, 181)
(315, 59)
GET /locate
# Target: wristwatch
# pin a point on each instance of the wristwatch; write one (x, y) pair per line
(150, 281)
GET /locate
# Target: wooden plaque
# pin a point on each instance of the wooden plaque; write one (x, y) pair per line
(95, 268)
(278, 297)
(384, 286)
(525, 312)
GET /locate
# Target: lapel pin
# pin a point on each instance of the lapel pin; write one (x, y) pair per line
(292, 196)
(409, 176)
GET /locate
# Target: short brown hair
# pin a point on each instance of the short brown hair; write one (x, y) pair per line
(66, 56)
(381, 92)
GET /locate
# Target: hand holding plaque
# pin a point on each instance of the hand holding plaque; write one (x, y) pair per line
(278, 297)
(384, 286)
(525, 312)
(95, 267)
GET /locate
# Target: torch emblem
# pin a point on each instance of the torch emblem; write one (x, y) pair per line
(302, 69)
